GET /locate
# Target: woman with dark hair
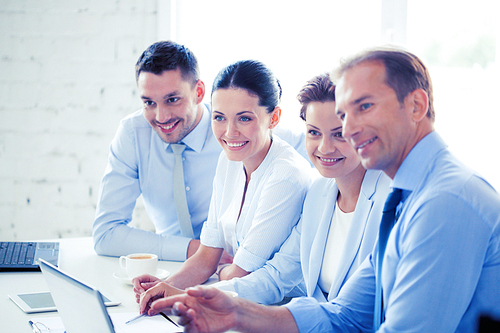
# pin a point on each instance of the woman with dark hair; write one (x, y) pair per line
(259, 186)
(340, 217)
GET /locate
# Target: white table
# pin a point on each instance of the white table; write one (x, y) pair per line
(77, 257)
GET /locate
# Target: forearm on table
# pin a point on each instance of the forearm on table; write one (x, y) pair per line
(116, 239)
(231, 271)
(197, 269)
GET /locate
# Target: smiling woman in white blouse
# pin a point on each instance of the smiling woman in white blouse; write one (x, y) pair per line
(340, 217)
(259, 186)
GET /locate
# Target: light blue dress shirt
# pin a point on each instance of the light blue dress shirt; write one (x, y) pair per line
(441, 267)
(295, 264)
(140, 163)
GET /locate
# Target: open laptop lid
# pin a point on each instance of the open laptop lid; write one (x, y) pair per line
(80, 306)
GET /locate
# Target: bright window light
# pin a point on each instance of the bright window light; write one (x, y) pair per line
(300, 39)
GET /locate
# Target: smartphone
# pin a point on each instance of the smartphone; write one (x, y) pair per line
(43, 302)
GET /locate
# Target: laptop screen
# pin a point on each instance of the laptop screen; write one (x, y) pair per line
(80, 306)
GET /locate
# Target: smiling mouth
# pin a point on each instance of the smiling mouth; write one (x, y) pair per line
(330, 160)
(167, 127)
(236, 144)
(364, 144)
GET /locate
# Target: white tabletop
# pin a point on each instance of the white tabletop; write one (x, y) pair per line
(77, 257)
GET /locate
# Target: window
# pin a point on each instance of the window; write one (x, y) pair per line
(300, 39)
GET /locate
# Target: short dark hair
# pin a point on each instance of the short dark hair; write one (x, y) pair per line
(319, 89)
(167, 55)
(405, 72)
(254, 77)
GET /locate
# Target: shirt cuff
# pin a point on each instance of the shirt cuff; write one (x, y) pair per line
(176, 249)
(305, 313)
(248, 261)
(210, 236)
(224, 286)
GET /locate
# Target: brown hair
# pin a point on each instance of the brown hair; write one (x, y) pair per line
(318, 89)
(405, 72)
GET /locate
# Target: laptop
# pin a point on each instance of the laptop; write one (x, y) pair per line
(24, 256)
(80, 306)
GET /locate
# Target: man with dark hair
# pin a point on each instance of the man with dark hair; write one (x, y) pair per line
(144, 160)
(436, 267)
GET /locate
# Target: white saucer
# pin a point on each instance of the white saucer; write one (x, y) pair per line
(122, 276)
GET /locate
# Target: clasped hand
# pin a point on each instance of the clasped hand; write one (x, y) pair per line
(148, 289)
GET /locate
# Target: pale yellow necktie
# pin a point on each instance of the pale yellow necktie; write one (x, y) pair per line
(180, 192)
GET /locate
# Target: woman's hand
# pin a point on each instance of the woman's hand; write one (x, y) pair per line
(143, 283)
(160, 290)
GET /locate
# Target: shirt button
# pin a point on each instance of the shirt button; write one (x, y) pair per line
(183, 158)
(188, 188)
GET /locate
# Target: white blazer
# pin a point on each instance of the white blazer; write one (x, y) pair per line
(299, 261)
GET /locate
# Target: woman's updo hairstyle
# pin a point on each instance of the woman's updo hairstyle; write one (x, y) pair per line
(254, 77)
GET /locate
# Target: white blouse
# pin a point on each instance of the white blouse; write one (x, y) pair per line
(337, 235)
(272, 207)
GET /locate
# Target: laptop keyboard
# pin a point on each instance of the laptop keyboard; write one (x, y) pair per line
(17, 253)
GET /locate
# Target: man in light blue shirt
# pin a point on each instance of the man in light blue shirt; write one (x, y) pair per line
(141, 160)
(441, 267)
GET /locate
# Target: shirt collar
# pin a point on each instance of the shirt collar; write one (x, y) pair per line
(195, 140)
(274, 150)
(415, 165)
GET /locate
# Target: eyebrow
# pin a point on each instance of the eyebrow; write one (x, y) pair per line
(167, 96)
(360, 99)
(332, 130)
(355, 102)
(238, 114)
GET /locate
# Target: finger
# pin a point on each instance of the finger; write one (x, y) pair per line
(138, 281)
(137, 285)
(144, 302)
(148, 285)
(181, 310)
(202, 291)
(190, 325)
(167, 302)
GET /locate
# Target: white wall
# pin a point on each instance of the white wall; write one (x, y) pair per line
(66, 79)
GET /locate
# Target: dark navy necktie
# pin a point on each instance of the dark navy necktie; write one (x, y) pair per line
(388, 220)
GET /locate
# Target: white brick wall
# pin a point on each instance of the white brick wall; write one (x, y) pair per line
(66, 79)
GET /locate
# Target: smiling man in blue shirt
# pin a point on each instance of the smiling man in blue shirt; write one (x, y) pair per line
(441, 267)
(141, 160)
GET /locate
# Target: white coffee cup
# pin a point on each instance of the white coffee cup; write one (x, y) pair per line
(136, 264)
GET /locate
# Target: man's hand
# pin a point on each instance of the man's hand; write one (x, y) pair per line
(201, 309)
